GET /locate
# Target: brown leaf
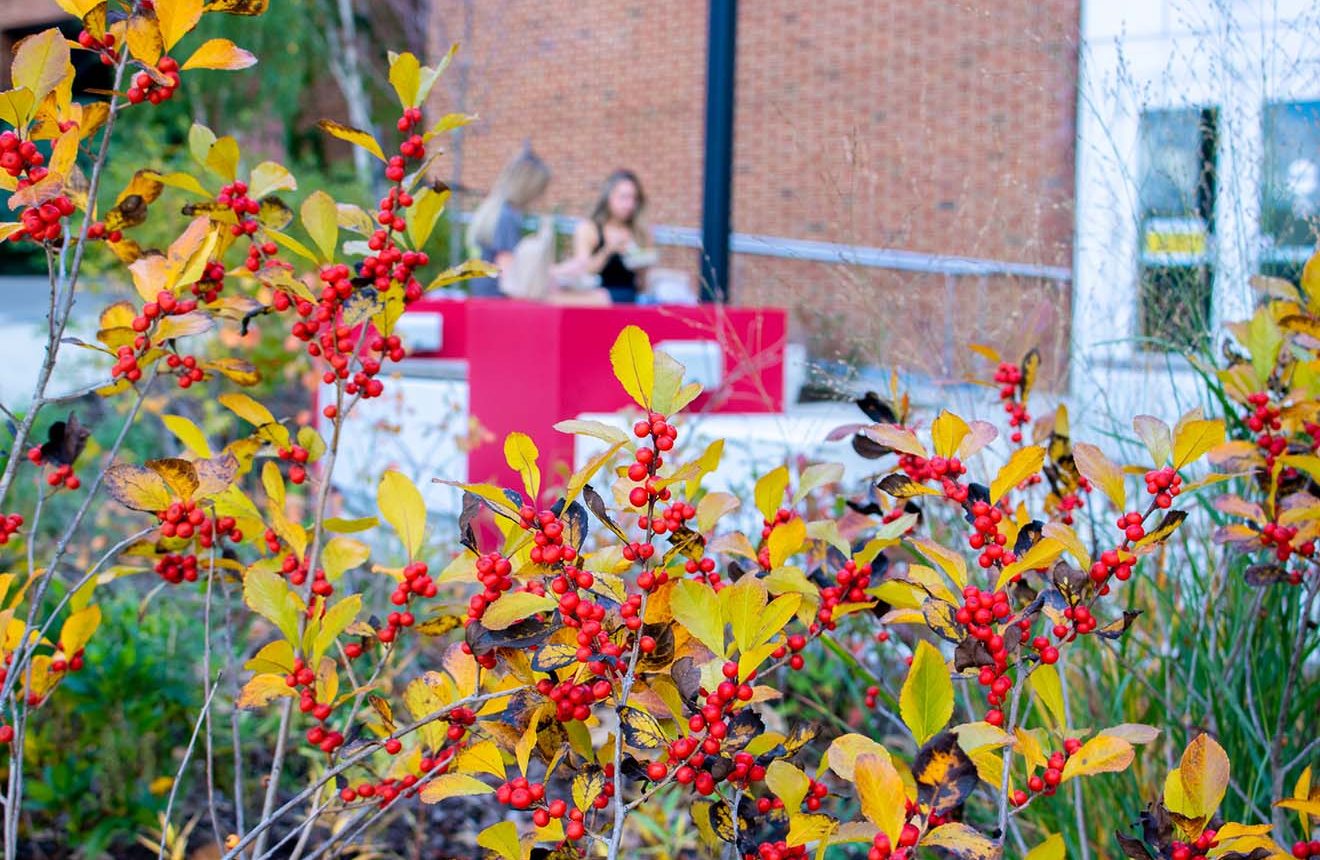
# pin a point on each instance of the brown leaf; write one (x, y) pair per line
(137, 487)
(178, 474)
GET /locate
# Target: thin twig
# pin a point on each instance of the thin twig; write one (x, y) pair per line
(183, 765)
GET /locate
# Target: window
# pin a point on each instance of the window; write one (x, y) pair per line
(1177, 203)
(1290, 187)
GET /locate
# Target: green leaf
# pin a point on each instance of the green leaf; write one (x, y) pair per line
(926, 700)
(402, 507)
(515, 606)
(320, 218)
(697, 607)
(266, 593)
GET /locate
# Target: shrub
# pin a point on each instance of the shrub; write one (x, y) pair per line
(614, 655)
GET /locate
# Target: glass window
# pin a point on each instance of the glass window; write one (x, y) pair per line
(1176, 194)
(1290, 187)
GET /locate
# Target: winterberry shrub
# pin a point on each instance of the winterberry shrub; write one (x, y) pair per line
(609, 643)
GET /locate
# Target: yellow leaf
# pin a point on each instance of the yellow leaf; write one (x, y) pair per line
(633, 361)
(482, 757)
(522, 751)
(261, 690)
(742, 604)
(176, 19)
(952, 563)
(804, 828)
(1043, 553)
(246, 408)
(78, 629)
(786, 540)
(266, 593)
(342, 554)
(881, 794)
(515, 606)
(788, 783)
(501, 838)
(424, 213)
(464, 271)
(188, 433)
(450, 785)
(269, 176)
(354, 136)
(1100, 754)
(769, 492)
(137, 487)
(1024, 463)
(406, 78)
(1203, 772)
(1102, 472)
(947, 432)
(449, 122)
(402, 507)
(900, 486)
(697, 608)
(780, 611)
(520, 453)
(335, 621)
(1156, 436)
(16, 108)
(320, 218)
(961, 841)
(1301, 791)
(40, 63)
(219, 54)
(926, 700)
(1066, 536)
(1194, 439)
(222, 158)
(1046, 685)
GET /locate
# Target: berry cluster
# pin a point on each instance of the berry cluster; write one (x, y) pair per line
(672, 519)
(104, 46)
(521, 794)
(1009, 378)
(158, 87)
(129, 356)
(175, 568)
(495, 572)
(303, 679)
(186, 520)
(922, 469)
(1196, 850)
(548, 545)
(386, 791)
(1302, 850)
(662, 435)
(687, 757)
(42, 222)
(850, 586)
(1163, 484)
(883, 849)
(1280, 537)
(791, 648)
(61, 475)
(9, 526)
(211, 283)
(67, 663)
(1048, 782)
(185, 369)
(987, 538)
(979, 611)
(1112, 563)
(297, 455)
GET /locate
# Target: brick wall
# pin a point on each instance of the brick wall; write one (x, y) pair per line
(928, 125)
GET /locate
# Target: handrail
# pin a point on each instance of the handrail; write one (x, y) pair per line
(833, 252)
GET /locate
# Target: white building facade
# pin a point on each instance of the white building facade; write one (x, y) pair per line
(1198, 166)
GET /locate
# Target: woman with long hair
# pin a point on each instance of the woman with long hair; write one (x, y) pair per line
(614, 242)
(496, 225)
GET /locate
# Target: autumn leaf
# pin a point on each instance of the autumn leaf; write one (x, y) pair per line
(881, 794)
(1102, 472)
(633, 361)
(520, 453)
(697, 608)
(1100, 754)
(357, 137)
(1024, 463)
(402, 507)
(1194, 439)
(450, 785)
(219, 54)
(947, 432)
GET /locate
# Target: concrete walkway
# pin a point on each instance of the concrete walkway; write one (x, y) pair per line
(24, 303)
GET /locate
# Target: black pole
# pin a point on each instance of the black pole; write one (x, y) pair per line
(717, 187)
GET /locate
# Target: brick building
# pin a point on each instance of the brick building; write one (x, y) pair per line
(943, 127)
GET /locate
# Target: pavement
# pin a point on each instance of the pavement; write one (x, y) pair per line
(24, 302)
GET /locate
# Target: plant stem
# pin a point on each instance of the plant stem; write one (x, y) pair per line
(183, 765)
(1280, 820)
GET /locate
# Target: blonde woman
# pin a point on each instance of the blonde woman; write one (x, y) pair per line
(496, 226)
(613, 243)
